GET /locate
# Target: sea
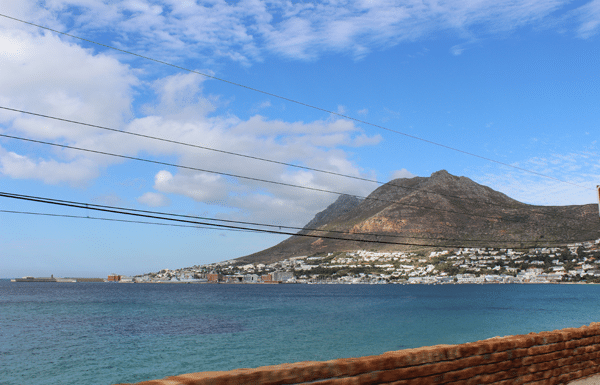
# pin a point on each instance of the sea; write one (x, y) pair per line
(106, 333)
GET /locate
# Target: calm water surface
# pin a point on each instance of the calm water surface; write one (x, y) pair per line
(100, 333)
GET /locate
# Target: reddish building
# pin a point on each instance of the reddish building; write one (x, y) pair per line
(211, 277)
(266, 278)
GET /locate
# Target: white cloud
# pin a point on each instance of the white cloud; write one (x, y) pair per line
(247, 31)
(299, 145)
(49, 76)
(201, 187)
(265, 104)
(179, 95)
(365, 140)
(580, 170)
(76, 173)
(153, 199)
(263, 208)
(589, 18)
(403, 173)
(318, 144)
(457, 50)
(44, 74)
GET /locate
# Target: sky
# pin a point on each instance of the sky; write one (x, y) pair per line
(504, 92)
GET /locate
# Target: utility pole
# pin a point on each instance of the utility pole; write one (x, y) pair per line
(598, 188)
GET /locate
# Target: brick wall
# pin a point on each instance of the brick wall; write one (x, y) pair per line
(547, 358)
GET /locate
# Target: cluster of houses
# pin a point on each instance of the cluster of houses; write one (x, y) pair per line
(199, 275)
(575, 262)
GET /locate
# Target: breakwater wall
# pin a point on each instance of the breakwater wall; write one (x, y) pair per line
(547, 358)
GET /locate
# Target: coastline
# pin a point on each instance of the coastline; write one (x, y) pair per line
(102, 280)
(572, 263)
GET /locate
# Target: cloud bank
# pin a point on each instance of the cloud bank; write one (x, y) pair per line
(52, 75)
(44, 74)
(249, 30)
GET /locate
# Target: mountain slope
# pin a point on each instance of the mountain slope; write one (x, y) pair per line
(443, 210)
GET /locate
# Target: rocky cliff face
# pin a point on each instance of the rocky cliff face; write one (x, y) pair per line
(343, 205)
(443, 210)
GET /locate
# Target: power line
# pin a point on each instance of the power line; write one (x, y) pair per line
(114, 220)
(168, 164)
(245, 177)
(90, 205)
(471, 200)
(297, 102)
(261, 159)
(160, 213)
(193, 145)
(117, 210)
(238, 224)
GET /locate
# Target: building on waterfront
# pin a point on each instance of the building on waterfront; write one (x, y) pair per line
(114, 278)
(214, 277)
(266, 278)
(251, 278)
(282, 276)
(237, 278)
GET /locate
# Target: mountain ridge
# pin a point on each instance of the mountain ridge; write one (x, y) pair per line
(442, 210)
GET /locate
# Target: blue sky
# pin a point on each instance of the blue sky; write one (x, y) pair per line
(514, 81)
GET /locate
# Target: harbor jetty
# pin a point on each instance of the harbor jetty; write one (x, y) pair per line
(53, 279)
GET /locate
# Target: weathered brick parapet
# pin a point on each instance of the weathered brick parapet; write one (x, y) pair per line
(546, 358)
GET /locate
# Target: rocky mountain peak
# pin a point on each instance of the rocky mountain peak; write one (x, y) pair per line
(442, 210)
(442, 174)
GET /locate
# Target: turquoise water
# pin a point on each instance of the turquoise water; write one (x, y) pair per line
(100, 333)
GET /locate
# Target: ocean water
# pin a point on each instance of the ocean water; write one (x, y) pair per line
(101, 333)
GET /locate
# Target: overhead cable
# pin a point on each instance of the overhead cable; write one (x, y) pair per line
(114, 220)
(195, 217)
(471, 200)
(117, 210)
(170, 218)
(248, 178)
(298, 102)
(193, 145)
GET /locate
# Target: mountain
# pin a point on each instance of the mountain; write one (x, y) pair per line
(440, 211)
(342, 205)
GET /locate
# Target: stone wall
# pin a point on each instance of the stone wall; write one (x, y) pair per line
(547, 358)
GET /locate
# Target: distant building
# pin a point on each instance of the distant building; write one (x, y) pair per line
(238, 278)
(282, 276)
(213, 277)
(114, 278)
(266, 278)
(251, 278)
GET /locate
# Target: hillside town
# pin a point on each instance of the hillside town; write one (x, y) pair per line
(577, 262)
